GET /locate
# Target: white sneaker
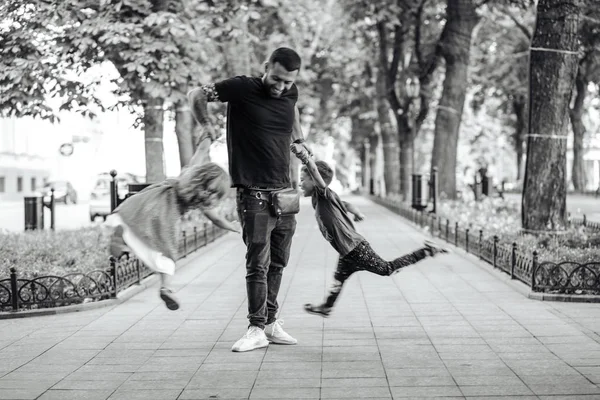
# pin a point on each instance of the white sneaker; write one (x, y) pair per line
(254, 339)
(276, 334)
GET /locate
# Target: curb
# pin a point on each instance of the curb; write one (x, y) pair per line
(515, 284)
(122, 297)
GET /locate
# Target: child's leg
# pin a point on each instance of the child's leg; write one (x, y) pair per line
(343, 272)
(166, 293)
(365, 259)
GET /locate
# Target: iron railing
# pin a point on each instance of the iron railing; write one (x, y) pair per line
(18, 294)
(563, 277)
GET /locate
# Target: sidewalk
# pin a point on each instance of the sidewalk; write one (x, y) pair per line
(445, 328)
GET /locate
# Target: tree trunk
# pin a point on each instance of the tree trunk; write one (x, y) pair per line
(455, 47)
(406, 163)
(576, 114)
(553, 66)
(521, 130)
(153, 132)
(391, 162)
(184, 128)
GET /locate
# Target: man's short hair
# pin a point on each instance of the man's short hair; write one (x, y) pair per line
(324, 169)
(288, 58)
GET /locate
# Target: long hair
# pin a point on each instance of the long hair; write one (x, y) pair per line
(197, 183)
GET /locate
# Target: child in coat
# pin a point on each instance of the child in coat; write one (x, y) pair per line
(146, 223)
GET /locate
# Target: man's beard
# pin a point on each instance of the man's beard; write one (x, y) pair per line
(271, 91)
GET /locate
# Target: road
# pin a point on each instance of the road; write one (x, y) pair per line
(72, 216)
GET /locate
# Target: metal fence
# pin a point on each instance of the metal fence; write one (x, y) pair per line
(563, 277)
(18, 294)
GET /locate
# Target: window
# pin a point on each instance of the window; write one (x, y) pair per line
(33, 184)
(2, 184)
(19, 184)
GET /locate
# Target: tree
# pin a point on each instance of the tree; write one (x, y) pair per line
(500, 68)
(142, 39)
(588, 71)
(553, 66)
(403, 52)
(455, 46)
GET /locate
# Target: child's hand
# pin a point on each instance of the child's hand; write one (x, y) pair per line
(359, 217)
(235, 227)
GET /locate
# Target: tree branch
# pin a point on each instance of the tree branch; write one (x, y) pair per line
(418, 16)
(518, 23)
(397, 53)
(383, 62)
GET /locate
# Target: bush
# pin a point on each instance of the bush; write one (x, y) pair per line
(500, 217)
(39, 253)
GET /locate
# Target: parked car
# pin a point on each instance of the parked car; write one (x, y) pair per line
(100, 196)
(63, 192)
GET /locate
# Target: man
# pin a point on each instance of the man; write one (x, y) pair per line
(262, 122)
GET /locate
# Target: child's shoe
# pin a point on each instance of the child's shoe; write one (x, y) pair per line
(321, 310)
(169, 298)
(433, 248)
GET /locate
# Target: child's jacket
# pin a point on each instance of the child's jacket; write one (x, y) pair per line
(153, 215)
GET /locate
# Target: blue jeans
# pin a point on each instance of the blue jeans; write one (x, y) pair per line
(268, 241)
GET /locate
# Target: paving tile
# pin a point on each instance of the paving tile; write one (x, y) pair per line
(145, 395)
(512, 390)
(154, 384)
(361, 392)
(84, 385)
(424, 391)
(353, 382)
(215, 393)
(20, 394)
(285, 393)
(66, 394)
(560, 389)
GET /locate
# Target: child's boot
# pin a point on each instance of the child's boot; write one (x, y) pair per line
(169, 298)
(321, 310)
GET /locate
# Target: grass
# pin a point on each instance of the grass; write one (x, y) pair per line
(500, 217)
(495, 216)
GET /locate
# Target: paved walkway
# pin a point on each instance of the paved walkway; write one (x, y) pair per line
(446, 328)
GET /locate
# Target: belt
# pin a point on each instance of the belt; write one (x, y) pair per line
(259, 194)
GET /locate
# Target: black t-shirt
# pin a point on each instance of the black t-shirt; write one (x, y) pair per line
(259, 132)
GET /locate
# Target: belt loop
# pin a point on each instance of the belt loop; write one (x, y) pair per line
(258, 195)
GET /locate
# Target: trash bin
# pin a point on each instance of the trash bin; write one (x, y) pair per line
(420, 191)
(134, 188)
(34, 213)
(485, 185)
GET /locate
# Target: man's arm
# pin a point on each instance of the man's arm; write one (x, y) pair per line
(358, 216)
(219, 221)
(297, 135)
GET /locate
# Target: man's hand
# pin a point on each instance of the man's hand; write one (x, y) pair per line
(300, 151)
